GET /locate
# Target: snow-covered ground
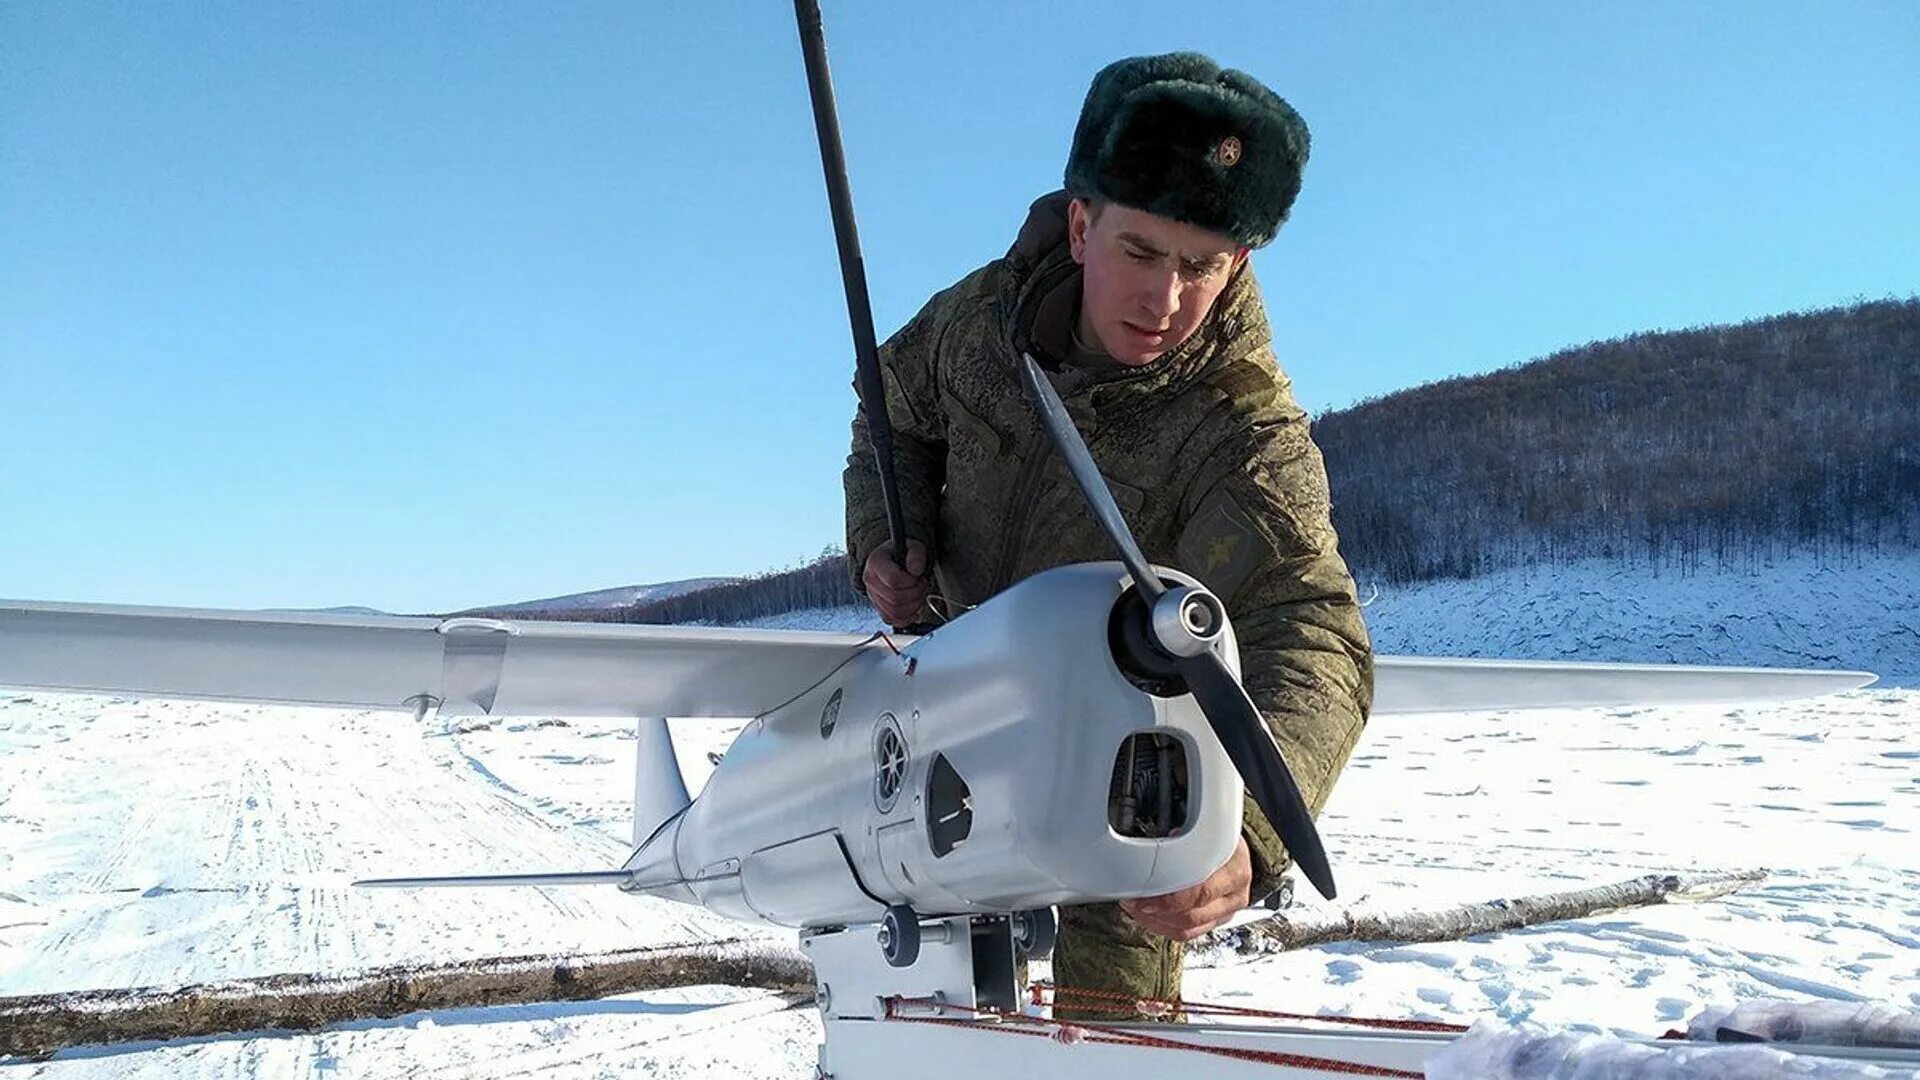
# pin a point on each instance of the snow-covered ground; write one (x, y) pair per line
(1793, 611)
(167, 843)
(157, 843)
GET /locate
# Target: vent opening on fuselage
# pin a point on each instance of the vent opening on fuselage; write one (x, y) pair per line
(1148, 795)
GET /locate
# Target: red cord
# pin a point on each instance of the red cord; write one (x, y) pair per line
(1074, 1033)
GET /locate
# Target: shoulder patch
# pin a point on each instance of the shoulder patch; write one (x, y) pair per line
(1220, 545)
(1245, 385)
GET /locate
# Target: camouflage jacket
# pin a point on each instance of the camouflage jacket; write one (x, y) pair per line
(1205, 450)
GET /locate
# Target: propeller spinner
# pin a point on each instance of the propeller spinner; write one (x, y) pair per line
(1181, 628)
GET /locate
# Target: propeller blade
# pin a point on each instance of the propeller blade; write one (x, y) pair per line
(1067, 440)
(1250, 746)
(1224, 702)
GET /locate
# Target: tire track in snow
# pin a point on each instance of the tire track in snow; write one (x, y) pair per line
(220, 843)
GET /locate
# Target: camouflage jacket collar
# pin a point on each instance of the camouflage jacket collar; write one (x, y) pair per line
(1039, 300)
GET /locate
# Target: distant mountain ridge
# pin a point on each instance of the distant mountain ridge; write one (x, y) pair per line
(619, 598)
(1799, 432)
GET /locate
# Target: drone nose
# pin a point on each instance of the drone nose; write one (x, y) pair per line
(1187, 620)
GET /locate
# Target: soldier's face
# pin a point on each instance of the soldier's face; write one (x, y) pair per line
(1148, 282)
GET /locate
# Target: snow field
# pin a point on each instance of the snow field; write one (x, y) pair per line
(165, 843)
(150, 842)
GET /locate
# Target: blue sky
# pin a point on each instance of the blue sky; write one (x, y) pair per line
(425, 306)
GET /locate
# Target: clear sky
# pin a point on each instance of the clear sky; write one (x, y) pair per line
(422, 306)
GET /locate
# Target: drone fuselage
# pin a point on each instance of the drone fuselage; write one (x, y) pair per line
(991, 766)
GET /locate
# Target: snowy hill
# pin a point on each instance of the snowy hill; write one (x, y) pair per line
(624, 596)
(1793, 611)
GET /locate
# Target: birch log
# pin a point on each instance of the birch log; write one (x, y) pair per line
(1302, 929)
(37, 1026)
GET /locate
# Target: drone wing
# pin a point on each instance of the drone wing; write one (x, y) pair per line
(457, 665)
(502, 668)
(1420, 684)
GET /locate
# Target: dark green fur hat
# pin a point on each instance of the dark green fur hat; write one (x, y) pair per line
(1181, 137)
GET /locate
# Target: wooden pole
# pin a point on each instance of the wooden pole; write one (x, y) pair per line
(37, 1026)
(1302, 929)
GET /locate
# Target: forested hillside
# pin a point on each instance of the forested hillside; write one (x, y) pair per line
(819, 582)
(1794, 433)
(1798, 434)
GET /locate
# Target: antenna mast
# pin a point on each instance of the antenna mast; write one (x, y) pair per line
(853, 272)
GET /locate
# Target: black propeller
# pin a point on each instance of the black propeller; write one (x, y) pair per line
(1184, 624)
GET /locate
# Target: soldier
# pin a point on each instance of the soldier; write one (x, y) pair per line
(1132, 289)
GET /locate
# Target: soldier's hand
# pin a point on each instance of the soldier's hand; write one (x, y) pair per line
(899, 593)
(1187, 914)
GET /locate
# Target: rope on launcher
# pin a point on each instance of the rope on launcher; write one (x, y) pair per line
(1107, 1001)
(1074, 1033)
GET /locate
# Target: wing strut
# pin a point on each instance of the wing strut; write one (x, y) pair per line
(578, 877)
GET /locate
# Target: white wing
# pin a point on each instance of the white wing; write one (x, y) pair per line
(1421, 684)
(604, 669)
(385, 662)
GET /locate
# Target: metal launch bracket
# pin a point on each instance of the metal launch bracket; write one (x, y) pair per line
(965, 961)
(966, 972)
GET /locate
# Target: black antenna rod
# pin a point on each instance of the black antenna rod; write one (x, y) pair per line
(853, 270)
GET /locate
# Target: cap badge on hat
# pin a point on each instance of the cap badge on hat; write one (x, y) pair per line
(1228, 152)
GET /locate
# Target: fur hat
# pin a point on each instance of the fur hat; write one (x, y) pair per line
(1183, 138)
